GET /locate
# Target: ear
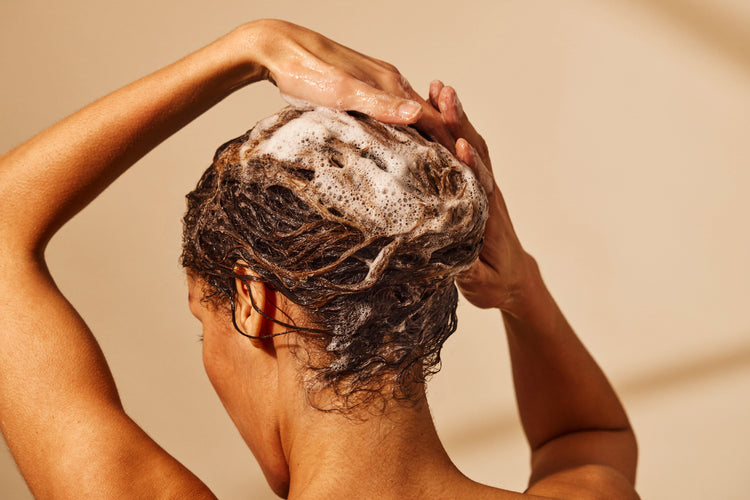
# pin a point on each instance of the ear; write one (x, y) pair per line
(251, 297)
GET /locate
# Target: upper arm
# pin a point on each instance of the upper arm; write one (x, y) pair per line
(59, 408)
(109, 456)
(587, 482)
(586, 464)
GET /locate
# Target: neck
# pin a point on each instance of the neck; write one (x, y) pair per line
(396, 454)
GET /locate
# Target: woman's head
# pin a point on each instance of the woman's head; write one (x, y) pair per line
(361, 224)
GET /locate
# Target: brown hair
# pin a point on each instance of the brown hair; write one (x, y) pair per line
(383, 302)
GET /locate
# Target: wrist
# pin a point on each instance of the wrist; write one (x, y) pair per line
(526, 290)
(243, 49)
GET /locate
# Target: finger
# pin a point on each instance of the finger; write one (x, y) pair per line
(381, 105)
(435, 87)
(467, 154)
(451, 108)
(458, 123)
(431, 123)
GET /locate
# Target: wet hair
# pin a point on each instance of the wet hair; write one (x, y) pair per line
(362, 224)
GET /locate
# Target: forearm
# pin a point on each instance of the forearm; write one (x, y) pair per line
(560, 389)
(55, 174)
(579, 434)
(59, 407)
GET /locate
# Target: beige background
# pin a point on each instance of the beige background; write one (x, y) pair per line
(619, 131)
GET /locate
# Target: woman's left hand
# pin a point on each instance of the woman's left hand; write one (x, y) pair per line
(307, 66)
(502, 269)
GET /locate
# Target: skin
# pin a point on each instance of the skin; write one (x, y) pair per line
(72, 439)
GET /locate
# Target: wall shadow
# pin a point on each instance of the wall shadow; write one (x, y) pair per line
(712, 24)
(667, 378)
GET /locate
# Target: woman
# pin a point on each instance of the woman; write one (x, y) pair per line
(314, 437)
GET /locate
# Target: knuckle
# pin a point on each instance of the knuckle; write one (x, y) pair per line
(388, 66)
(395, 82)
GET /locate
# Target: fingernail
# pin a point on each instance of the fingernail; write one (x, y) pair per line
(409, 110)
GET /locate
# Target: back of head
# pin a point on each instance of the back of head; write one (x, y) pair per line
(364, 225)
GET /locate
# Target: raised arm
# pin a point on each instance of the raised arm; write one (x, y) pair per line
(59, 408)
(580, 437)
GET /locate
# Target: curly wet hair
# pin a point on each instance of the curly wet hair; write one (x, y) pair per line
(382, 298)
